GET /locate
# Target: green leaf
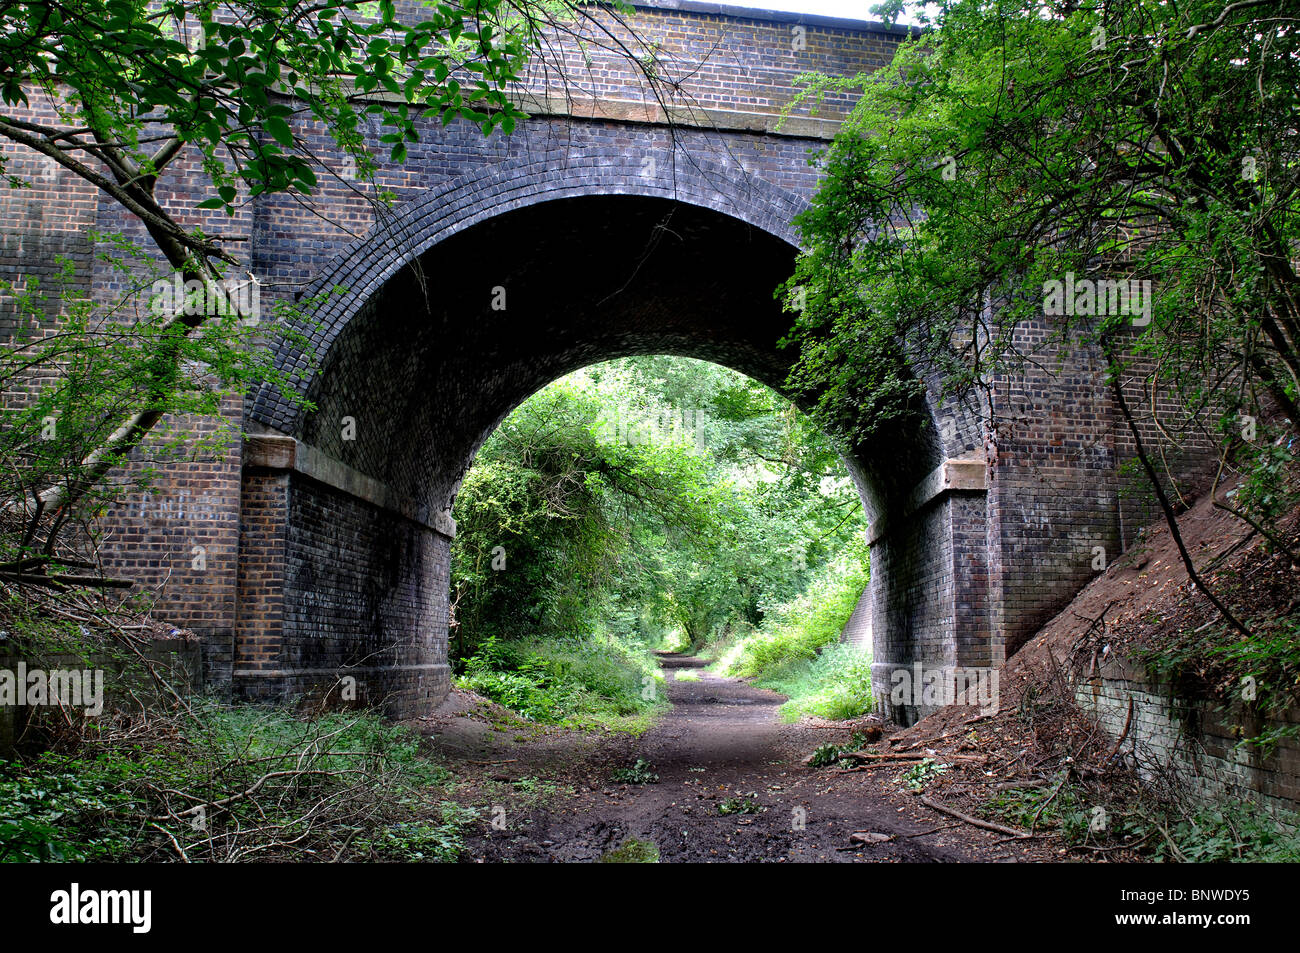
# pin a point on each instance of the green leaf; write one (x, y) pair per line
(279, 129)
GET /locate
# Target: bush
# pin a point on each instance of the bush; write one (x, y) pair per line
(798, 652)
(575, 683)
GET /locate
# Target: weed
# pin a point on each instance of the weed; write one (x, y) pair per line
(922, 773)
(633, 851)
(747, 804)
(638, 773)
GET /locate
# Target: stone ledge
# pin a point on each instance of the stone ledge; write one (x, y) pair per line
(340, 670)
(652, 112)
(281, 452)
(740, 11)
(958, 475)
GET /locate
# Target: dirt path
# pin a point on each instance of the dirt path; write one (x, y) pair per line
(721, 746)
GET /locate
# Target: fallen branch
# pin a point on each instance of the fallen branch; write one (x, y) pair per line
(65, 582)
(911, 756)
(975, 821)
(1033, 825)
(1128, 722)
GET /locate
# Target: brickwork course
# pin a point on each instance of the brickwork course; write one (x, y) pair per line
(611, 223)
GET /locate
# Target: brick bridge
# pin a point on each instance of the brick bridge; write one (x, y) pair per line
(609, 224)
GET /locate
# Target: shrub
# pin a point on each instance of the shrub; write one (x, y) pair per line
(798, 653)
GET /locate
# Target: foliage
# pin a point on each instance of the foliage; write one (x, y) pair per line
(633, 851)
(543, 517)
(1017, 143)
(570, 682)
(640, 772)
(219, 782)
(1154, 829)
(835, 685)
(824, 756)
(1061, 806)
(641, 502)
(796, 650)
(75, 365)
(53, 814)
(1234, 832)
(437, 841)
(798, 630)
(747, 804)
(228, 80)
(922, 773)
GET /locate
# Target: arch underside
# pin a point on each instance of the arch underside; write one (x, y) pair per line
(464, 326)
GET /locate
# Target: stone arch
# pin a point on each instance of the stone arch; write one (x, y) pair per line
(422, 223)
(425, 371)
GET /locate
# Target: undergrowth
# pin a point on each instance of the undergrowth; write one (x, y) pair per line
(797, 653)
(578, 684)
(219, 782)
(1152, 829)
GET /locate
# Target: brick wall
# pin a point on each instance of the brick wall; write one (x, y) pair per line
(335, 587)
(1194, 741)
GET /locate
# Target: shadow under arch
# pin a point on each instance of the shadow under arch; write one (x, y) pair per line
(472, 300)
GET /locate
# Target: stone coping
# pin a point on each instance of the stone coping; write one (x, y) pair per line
(282, 452)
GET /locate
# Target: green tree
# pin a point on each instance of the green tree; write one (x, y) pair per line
(123, 92)
(1018, 144)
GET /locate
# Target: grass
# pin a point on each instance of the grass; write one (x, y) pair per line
(222, 782)
(609, 686)
(686, 675)
(633, 851)
(797, 652)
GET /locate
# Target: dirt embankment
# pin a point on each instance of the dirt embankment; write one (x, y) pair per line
(1144, 605)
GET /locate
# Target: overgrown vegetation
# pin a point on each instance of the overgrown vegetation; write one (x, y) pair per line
(213, 782)
(1231, 832)
(1023, 159)
(653, 503)
(572, 682)
(796, 650)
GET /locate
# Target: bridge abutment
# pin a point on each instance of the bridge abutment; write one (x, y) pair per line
(343, 588)
(930, 577)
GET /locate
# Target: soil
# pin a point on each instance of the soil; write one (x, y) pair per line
(722, 743)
